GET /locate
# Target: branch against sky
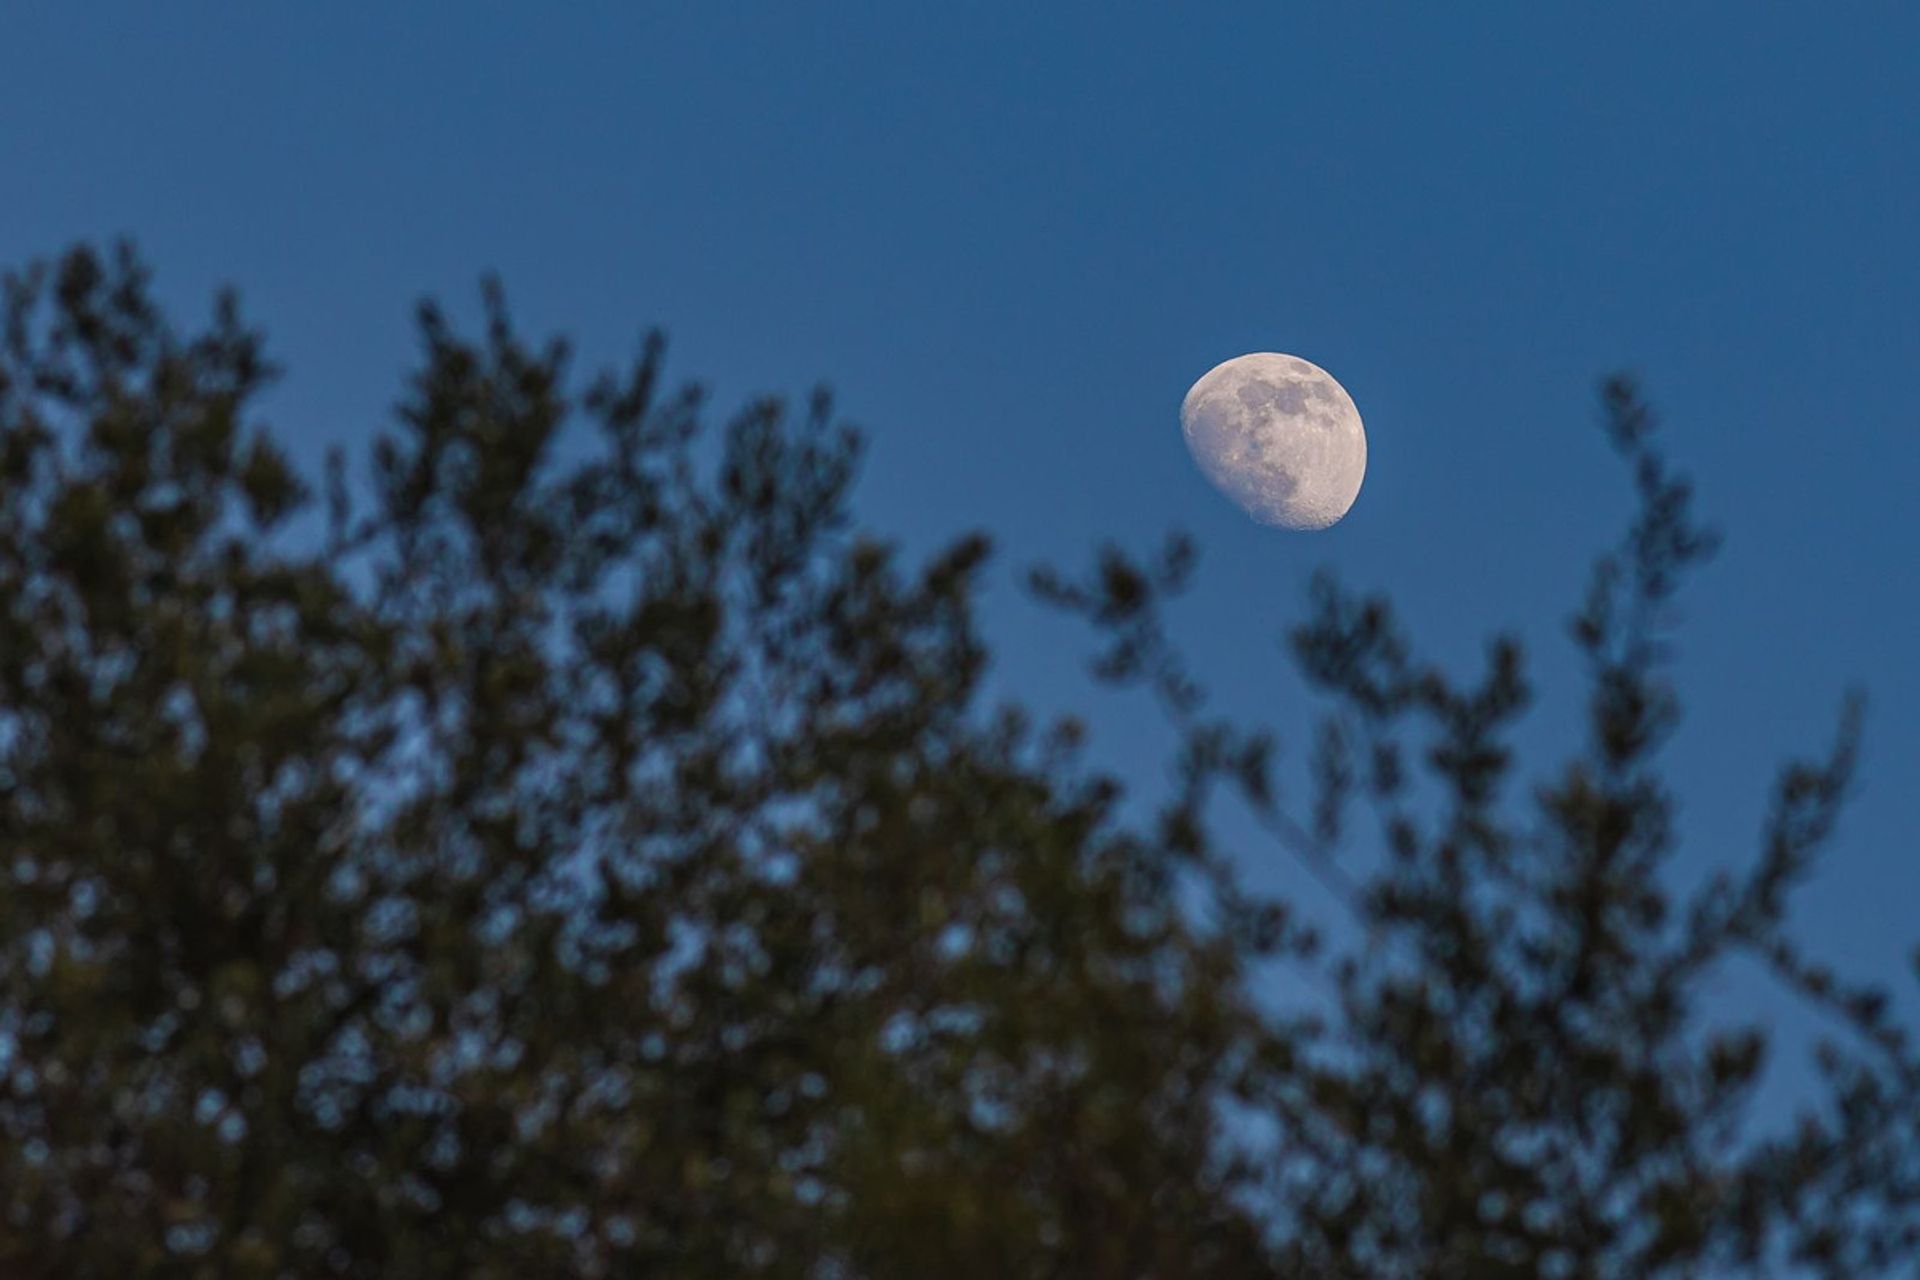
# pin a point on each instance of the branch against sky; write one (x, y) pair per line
(1525, 1075)
(599, 860)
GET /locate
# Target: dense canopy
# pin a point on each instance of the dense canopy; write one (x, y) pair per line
(575, 847)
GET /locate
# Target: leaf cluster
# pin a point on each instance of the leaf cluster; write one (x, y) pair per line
(579, 850)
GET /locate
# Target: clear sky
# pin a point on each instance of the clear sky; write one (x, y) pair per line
(1011, 235)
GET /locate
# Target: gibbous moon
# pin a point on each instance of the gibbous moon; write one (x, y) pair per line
(1279, 436)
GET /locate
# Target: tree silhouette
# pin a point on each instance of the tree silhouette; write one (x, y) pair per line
(561, 857)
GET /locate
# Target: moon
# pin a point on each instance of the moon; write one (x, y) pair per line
(1279, 436)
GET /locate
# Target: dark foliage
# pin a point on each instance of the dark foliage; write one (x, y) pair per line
(572, 859)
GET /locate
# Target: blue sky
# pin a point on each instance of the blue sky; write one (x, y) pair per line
(1011, 236)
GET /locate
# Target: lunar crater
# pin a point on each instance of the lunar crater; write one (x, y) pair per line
(1280, 437)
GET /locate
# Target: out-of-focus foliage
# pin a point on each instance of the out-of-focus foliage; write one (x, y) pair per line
(579, 851)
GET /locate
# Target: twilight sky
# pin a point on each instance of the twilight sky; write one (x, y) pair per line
(1012, 235)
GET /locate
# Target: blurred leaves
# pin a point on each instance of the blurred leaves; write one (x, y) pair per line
(580, 850)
